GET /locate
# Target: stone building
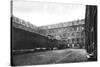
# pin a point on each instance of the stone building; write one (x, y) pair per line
(72, 33)
(67, 34)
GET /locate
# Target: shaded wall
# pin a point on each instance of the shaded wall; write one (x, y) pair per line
(22, 39)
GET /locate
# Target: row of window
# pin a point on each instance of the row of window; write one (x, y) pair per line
(66, 30)
(22, 22)
(77, 40)
(67, 35)
(66, 24)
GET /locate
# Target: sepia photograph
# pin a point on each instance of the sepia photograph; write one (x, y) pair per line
(52, 33)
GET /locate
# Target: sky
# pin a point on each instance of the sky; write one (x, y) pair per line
(46, 13)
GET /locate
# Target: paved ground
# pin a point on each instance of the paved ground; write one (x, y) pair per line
(50, 57)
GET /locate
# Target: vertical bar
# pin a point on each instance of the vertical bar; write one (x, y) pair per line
(91, 29)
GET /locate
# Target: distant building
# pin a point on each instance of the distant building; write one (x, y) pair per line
(72, 32)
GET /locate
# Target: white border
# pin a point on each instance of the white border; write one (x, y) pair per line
(5, 34)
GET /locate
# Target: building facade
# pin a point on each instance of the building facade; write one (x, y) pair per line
(72, 33)
(69, 34)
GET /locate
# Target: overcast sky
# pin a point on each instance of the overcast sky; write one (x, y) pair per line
(45, 13)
